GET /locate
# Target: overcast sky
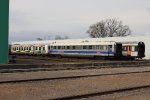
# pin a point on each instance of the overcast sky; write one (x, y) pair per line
(30, 19)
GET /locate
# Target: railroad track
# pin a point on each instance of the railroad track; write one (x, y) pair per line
(71, 77)
(80, 97)
(13, 68)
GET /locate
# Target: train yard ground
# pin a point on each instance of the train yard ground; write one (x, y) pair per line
(103, 84)
(52, 60)
(42, 78)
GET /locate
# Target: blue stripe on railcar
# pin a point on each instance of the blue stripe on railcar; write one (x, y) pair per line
(80, 52)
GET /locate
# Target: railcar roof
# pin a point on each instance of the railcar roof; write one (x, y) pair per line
(82, 43)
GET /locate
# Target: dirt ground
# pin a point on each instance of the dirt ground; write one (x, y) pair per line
(63, 88)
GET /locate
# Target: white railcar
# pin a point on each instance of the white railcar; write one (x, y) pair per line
(85, 48)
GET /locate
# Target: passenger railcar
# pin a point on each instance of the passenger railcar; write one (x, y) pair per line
(81, 48)
(133, 49)
(88, 49)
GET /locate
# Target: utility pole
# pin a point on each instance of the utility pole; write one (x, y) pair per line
(4, 30)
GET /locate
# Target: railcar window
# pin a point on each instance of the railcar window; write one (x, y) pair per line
(94, 47)
(54, 47)
(136, 48)
(124, 48)
(29, 48)
(68, 47)
(110, 46)
(101, 47)
(84, 47)
(133, 48)
(90, 47)
(105, 47)
(39, 48)
(59, 47)
(49, 47)
(43, 48)
(79, 47)
(97, 47)
(73, 47)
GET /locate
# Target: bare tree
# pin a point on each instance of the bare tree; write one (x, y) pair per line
(66, 37)
(57, 37)
(109, 28)
(39, 39)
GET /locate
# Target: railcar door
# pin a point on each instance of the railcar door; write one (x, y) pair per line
(129, 50)
(118, 52)
(141, 49)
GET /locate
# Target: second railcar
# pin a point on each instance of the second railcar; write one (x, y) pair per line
(87, 49)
